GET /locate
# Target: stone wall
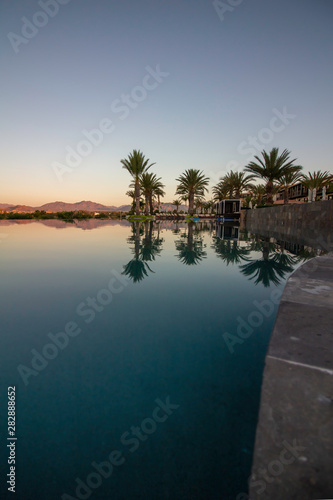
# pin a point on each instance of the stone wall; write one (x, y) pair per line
(308, 223)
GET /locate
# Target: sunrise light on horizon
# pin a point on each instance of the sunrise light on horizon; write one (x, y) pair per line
(85, 83)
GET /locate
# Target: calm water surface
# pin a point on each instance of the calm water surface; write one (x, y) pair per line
(154, 368)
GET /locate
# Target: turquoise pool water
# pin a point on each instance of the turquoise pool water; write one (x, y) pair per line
(137, 354)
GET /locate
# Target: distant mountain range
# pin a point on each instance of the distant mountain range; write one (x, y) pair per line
(87, 206)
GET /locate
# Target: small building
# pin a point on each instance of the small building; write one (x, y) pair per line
(228, 210)
(227, 232)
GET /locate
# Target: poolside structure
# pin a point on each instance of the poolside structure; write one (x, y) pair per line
(227, 231)
(228, 210)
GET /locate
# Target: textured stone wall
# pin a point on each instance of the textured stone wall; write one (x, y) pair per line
(306, 223)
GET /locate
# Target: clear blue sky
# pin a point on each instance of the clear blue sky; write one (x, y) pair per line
(229, 76)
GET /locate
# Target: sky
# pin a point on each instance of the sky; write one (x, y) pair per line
(192, 84)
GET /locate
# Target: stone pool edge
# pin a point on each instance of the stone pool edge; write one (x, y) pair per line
(294, 439)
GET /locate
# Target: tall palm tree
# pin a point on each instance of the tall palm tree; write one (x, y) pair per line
(185, 200)
(192, 183)
(146, 188)
(158, 191)
(177, 204)
(220, 191)
(131, 194)
(160, 194)
(136, 164)
(272, 168)
(288, 180)
(314, 181)
(198, 203)
(258, 191)
(150, 186)
(237, 182)
(210, 206)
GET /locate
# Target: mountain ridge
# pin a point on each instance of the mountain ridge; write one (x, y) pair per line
(87, 206)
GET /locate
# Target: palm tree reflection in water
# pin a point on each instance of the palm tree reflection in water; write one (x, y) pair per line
(190, 247)
(270, 269)
(273, 266)
(146, 251)
(230, 251)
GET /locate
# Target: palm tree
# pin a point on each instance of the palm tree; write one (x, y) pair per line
(136, 164)
(192, 183)
(288, 180)
(198, 203)
(185, 200)
(159, 193)
(131, 194)
(220, 191)
(146, 187)
(272, 168)
(314, 181)
(258, 191)
(209, 205)
(158, 187)
(149, 184)
(177, 204)
(237, 182)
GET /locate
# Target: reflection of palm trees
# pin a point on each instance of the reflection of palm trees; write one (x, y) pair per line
(151, 246)
(190, 249)
(307, 253)
(137, 268)
(265, 271)
(230, 251)
(268, 269)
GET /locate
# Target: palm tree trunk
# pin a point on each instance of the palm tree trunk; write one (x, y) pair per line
(137, 197)
(191, 202)
(269, 192)
(309, 195)
(159, 203)
(146, 204)
(151, 205)
(285, 196)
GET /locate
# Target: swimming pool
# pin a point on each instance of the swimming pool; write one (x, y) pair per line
(137, 353)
